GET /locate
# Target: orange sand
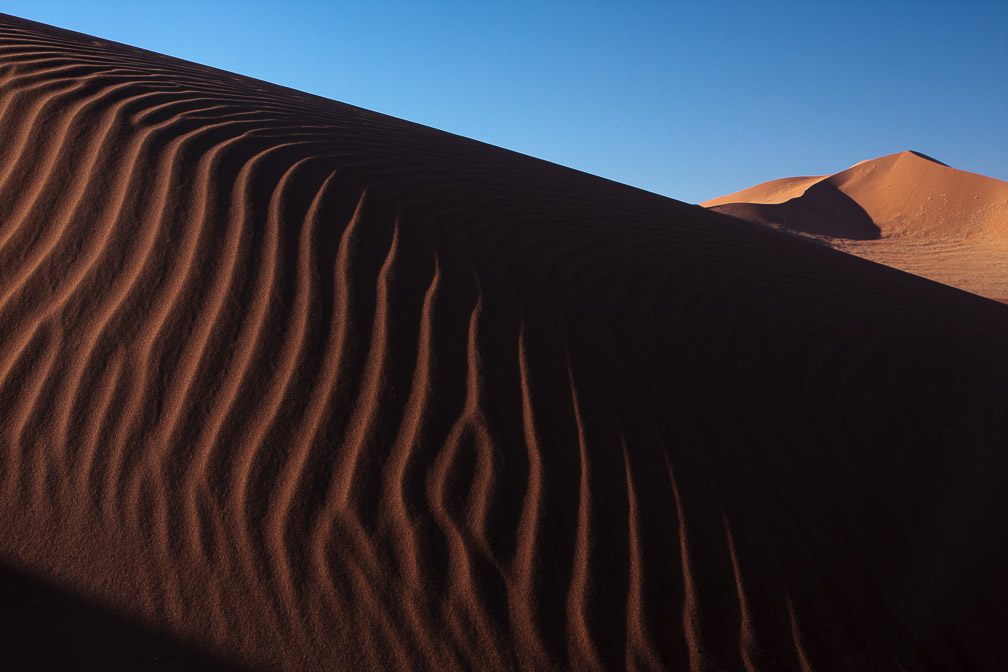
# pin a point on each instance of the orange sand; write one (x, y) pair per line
(904, 210)
(286, 384)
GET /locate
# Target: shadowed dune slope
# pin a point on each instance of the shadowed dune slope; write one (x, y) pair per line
(821, 210)
(44, 628)
(904, 210)
(308, 387)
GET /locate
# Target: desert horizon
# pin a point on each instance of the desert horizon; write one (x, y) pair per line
(288, 384)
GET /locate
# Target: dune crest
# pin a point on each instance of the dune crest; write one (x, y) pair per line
(287, 384)
(926, 217)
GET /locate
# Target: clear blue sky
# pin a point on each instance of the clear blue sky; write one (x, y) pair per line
(690, 100)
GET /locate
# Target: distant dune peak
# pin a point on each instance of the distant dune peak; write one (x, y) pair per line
(925, 156)
(923, 215)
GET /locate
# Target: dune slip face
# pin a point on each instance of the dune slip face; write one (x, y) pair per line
(287, 384)
(904, 210)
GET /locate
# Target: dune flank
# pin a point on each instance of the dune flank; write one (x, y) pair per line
(903, 210)
(287, 384)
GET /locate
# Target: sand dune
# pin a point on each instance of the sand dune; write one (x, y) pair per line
(904, 210)
(294, 385)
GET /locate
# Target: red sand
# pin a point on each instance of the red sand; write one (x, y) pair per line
(904, 210)
(294, 385)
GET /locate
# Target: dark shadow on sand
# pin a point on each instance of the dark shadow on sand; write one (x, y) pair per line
(43, 627)
(823, 210)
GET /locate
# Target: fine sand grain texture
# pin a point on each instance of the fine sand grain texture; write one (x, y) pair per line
(904, 210)
(286, 384)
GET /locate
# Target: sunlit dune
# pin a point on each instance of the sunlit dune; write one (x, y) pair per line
(288, 384)
(904, 210)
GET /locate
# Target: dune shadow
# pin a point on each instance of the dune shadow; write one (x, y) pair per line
(823, 210)
(929, 158)
(43, 627)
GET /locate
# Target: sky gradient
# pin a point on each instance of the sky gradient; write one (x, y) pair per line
(689, 100)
